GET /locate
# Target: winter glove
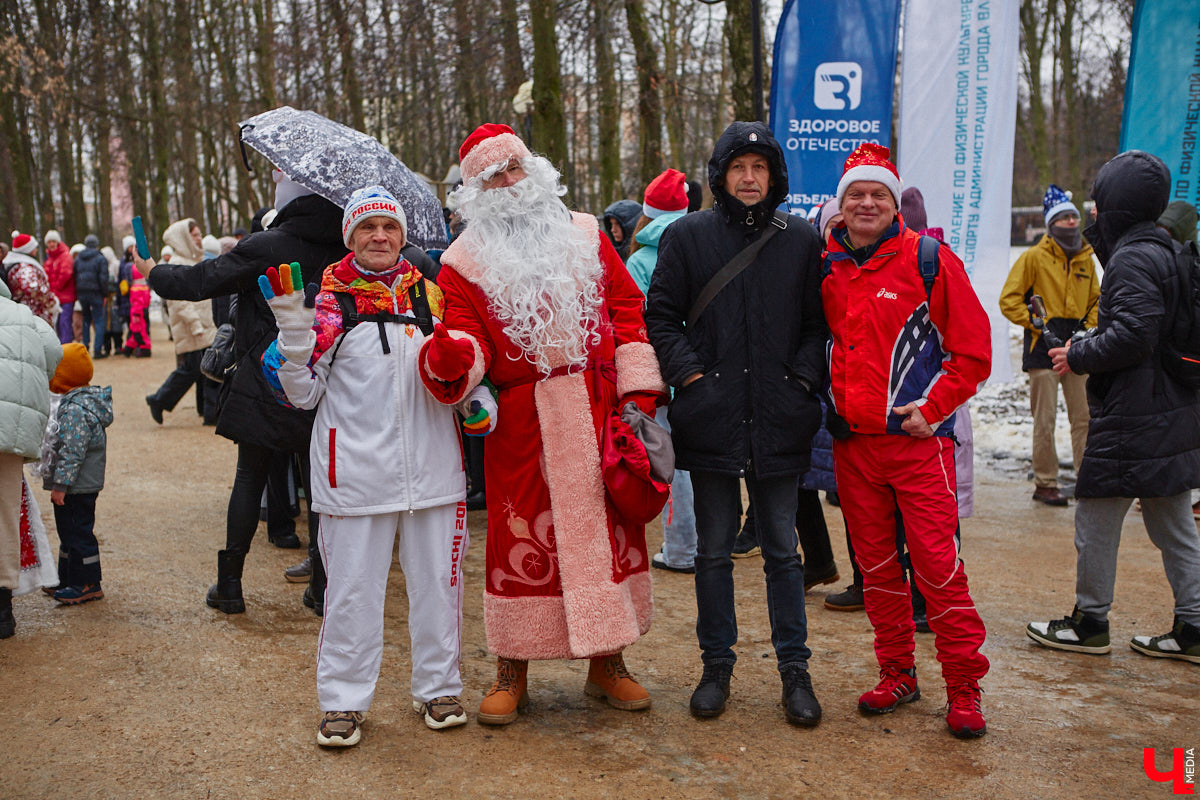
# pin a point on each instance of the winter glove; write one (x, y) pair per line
(480, 413)
(448, 359)
(293, 310)
(646, 401)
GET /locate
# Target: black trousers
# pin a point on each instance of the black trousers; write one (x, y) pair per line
(245, 499)
(79, 557)
(186, 374)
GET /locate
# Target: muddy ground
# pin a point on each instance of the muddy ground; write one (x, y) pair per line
(150, 694)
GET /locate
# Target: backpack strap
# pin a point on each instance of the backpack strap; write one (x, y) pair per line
(927, 263)
(420, 307)
(351, 318)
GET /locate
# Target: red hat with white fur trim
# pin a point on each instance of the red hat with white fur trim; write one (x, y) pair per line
(23, 243)
(870, 162)
(665, 194)
(489, 144)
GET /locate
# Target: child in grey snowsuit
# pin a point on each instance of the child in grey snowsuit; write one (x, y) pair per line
(73, 456)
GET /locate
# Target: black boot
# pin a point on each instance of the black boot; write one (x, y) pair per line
(226, 593)
(713, 690)
(8, 625)
(314, 595)
(799, 702)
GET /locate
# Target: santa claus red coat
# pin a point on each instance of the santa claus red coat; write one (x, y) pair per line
(567, 576)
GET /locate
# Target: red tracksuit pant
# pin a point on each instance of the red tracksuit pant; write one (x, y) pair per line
(876, 475)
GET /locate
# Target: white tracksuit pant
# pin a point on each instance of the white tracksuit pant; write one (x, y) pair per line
(357, 552)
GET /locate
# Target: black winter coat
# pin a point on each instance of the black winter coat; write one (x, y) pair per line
(91, 273)
(1144, 434)
(760, 343)
(308, 230)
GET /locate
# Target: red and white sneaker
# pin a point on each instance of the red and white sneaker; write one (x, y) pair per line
(896, 686)
(963, 714)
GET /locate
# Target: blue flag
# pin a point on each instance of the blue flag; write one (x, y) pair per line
(831, 88)
(1162, 90)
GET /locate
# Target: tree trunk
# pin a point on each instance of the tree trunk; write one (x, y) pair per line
(549, 120)
(1035, 22)
(739, 39)
(264, 24)
(609, 111)
(349, 71)
(466, 60)
(649, 104)
(512, 63)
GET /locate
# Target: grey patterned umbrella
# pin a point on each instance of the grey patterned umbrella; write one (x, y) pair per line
(334, 160)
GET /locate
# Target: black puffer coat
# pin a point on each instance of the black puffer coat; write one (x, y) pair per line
(91, 273)
(1144, 436)
(308, 230)
(760, 341)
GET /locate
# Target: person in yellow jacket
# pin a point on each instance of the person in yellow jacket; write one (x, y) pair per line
(1061, 269)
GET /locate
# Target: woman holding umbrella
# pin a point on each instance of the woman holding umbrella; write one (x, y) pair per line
(306, 230)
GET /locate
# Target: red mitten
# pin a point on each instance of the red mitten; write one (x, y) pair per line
(646, 401)
(448, 359)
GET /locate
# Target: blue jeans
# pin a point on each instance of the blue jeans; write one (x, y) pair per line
(92, 307)
(717, 524)
(679, 535)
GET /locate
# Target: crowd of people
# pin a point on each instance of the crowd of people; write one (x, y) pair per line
(601, 361)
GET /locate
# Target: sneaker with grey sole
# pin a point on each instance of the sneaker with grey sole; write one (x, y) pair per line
(1182, 643)
(1077, 633)
(299, 573)
(442, 712)
(340, 729)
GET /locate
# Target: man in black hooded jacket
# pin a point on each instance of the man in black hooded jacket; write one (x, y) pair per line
(1144, 434)
(744, 405)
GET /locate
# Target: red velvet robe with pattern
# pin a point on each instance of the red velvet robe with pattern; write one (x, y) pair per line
(567, 576)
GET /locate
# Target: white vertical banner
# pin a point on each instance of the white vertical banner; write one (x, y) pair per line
(958, 117)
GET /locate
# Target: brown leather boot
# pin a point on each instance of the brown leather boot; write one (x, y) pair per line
(609, 680)
(507, 697)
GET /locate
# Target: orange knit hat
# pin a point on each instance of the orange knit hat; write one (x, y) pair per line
(73, 371)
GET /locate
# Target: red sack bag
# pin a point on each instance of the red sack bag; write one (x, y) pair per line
(634, 492)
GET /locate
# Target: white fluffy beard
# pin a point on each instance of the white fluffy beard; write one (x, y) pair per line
(541, 273)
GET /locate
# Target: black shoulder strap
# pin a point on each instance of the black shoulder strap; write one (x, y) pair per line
(735, 266)
(927, 263)
(422, 317)
(420, 307)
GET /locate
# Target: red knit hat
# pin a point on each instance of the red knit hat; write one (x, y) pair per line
(870, 162)
(666, 193)
(489, 144)
(23, 243)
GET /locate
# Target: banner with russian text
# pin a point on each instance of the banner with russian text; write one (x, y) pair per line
(831, 88)
(1162, 90)
(958, 117)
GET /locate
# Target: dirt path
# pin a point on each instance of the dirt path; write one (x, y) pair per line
(149, 694)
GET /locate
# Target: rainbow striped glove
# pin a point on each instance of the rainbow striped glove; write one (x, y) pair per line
(283, 289)
(480, 412)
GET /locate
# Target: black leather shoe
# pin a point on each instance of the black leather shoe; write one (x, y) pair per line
(155, 409)
(713, 690)
(310, 602)
(285, 541)
(799, 703)
(476, 501)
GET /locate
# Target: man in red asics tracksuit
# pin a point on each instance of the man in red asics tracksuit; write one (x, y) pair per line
(907, 351)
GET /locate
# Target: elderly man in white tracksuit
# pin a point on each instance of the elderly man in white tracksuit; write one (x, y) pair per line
(386, 463)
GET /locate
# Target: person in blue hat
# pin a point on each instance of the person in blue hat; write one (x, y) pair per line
(1060, 269)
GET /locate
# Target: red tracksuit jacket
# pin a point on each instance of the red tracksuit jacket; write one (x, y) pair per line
(892, 345)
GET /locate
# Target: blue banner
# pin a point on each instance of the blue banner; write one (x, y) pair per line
(832, 81)
(1162, 90)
